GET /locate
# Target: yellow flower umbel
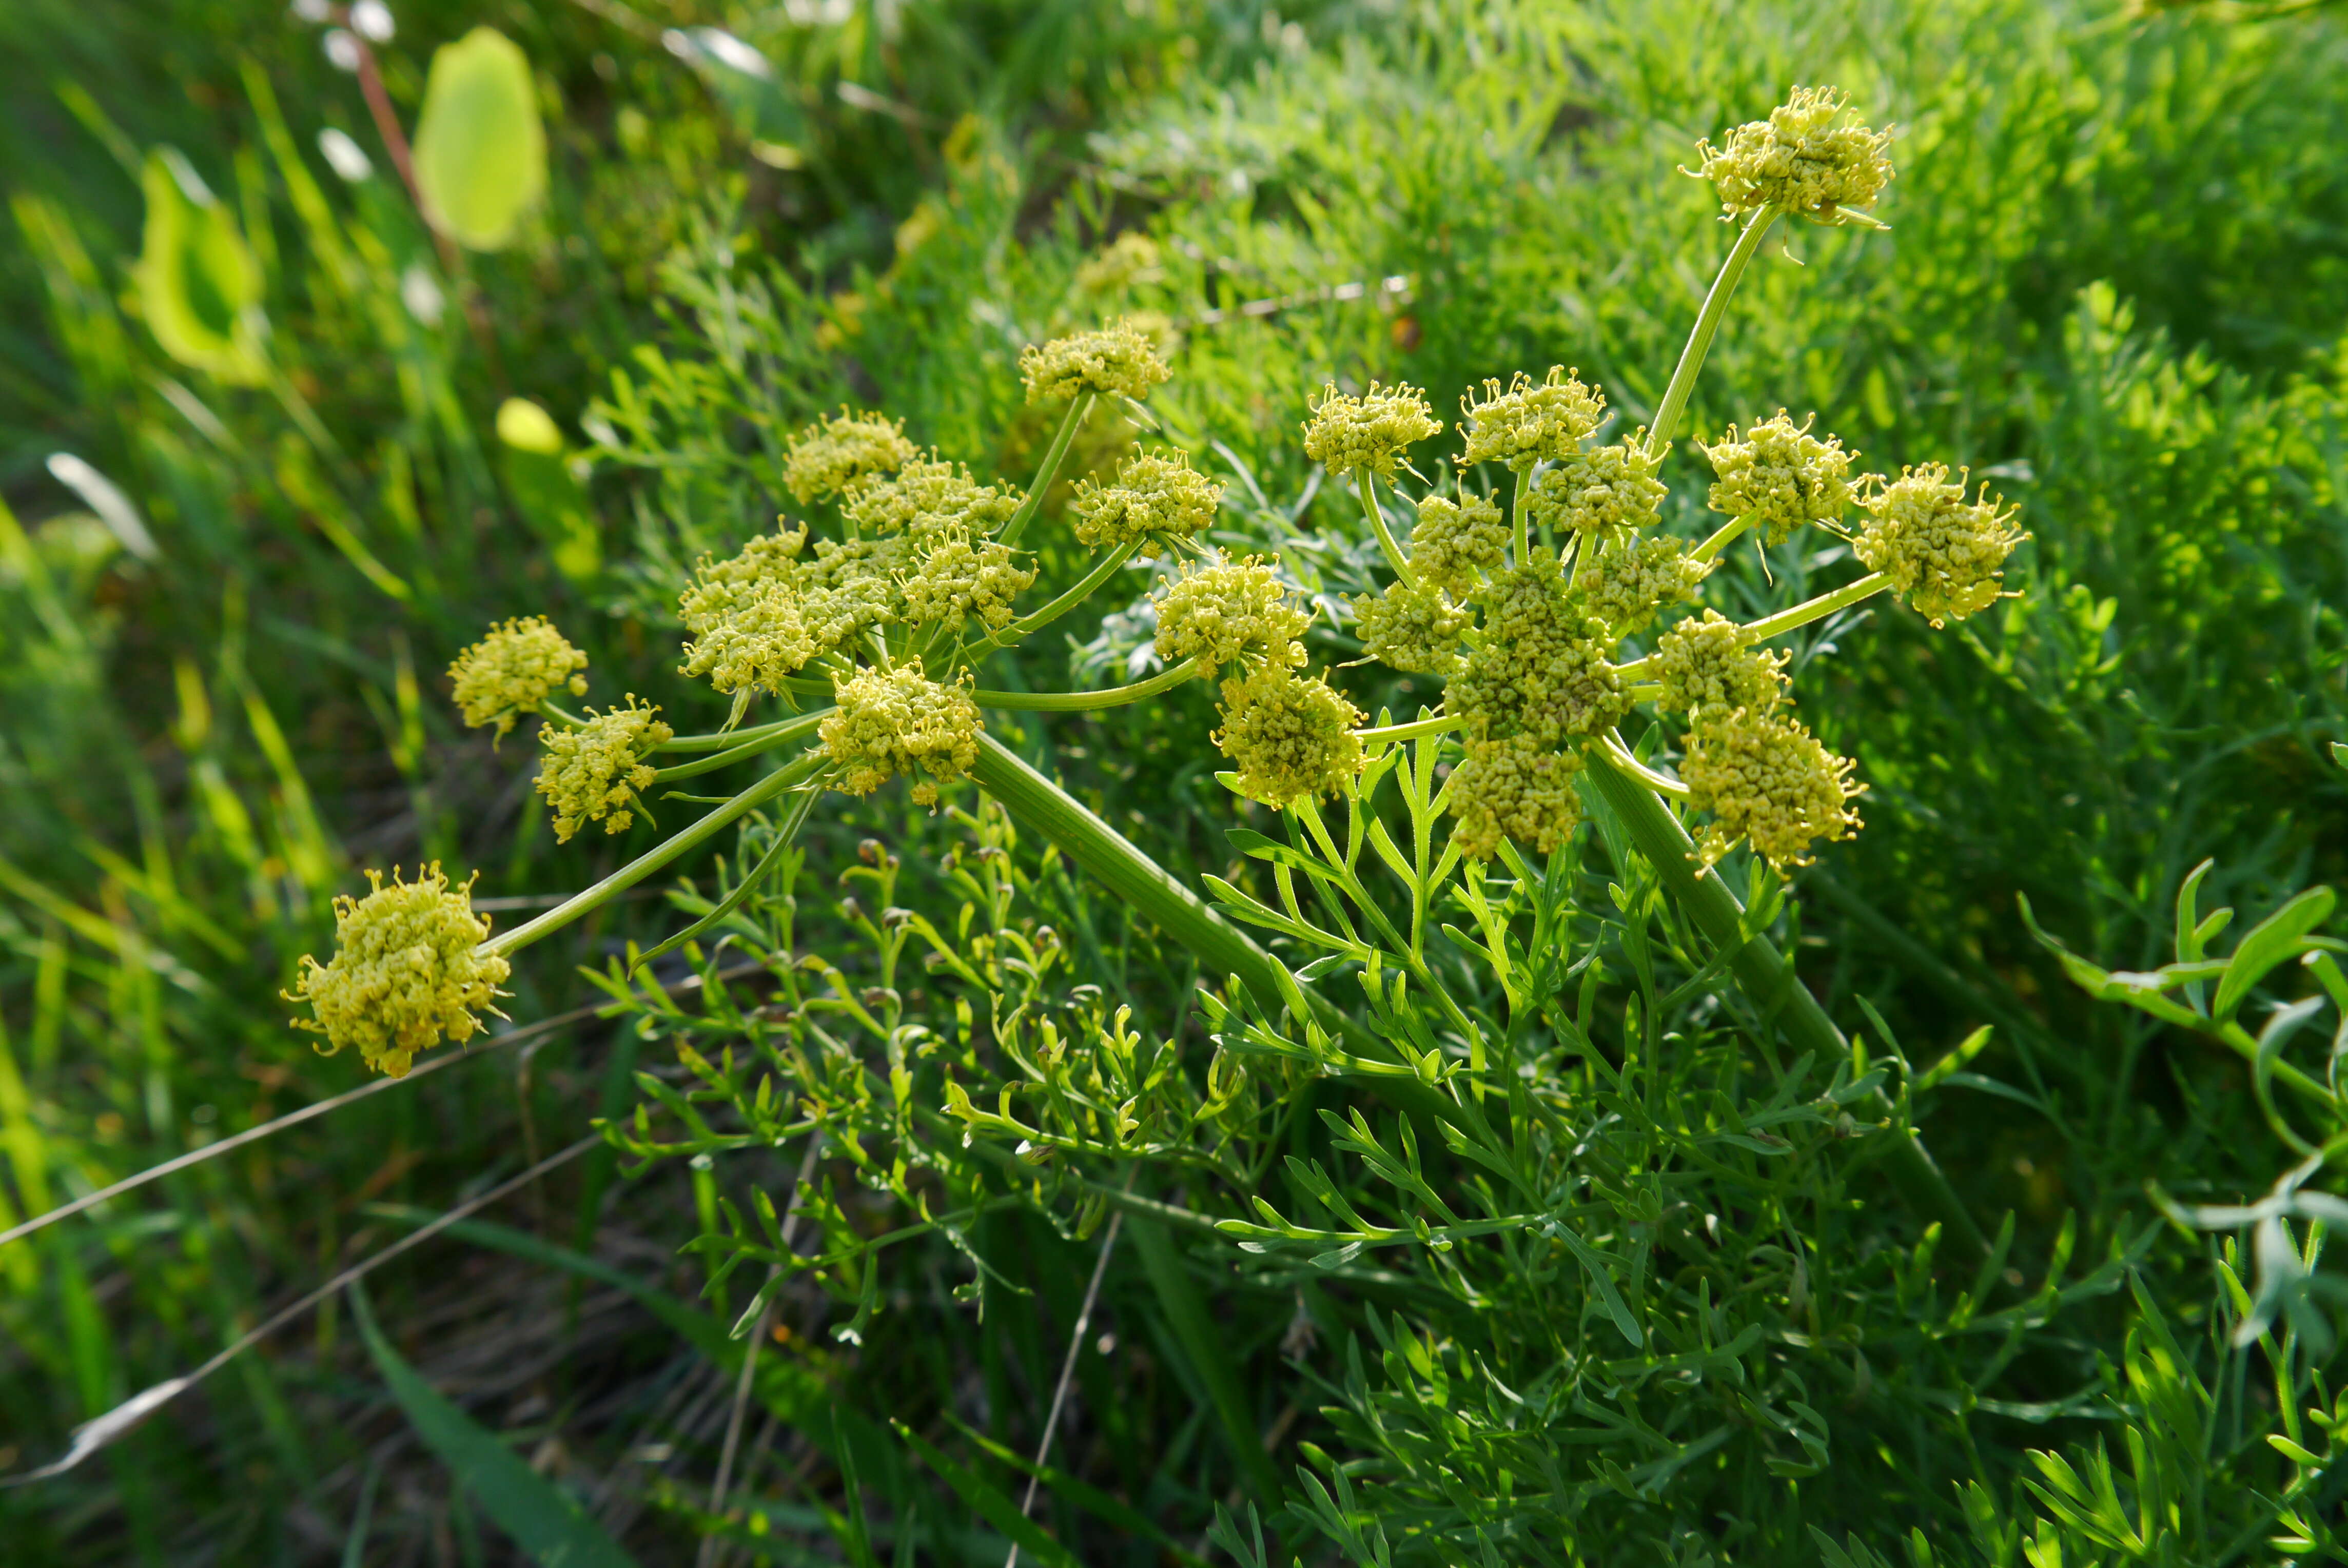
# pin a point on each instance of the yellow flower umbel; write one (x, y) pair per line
(1530, 423)
(1540, 668)
(898, 721)
(1290, 737)
(510, 672)
(1455, 544)
(1764, 777)
(1412, 628)
(1155, 494)
(1609, 491)
(1625, 584)
(1118, 361)
(962, 577)
(928, 497)
(1942, 555)
(1224, 614)
(829, 456)
(1707, 665)
(749, 620)
(1370, 431)
(1514, 788)
(591, 774)
(407, 971)
(1781, 477)
(1808, 157)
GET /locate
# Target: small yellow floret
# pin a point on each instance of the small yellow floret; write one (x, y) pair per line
(1370, 431)
(1805, 158)
(1629, 580)
(928, 497)
(1944, 555)
(830, 455)
(591, 774)
(959, 578)
(510, 672)
(1531, 422)
(1708, 665)
(1514, 788)
(1766, 779)
(1540, 668)
(898, 721)
(1413, 628)
(1118, 361)
(1154, 493)
(1223, 614)
(1291, 737)
(407, 971)
(1781, 476)
(1457, 543)
(1606, 490)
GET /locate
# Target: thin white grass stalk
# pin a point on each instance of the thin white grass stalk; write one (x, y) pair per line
(1067, 1371)
(94, 1436)
(710, 1544)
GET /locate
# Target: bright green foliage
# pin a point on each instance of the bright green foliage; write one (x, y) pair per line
(481, 146)
(198, 286)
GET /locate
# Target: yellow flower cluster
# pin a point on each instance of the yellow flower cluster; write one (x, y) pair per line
(893, 722)
(1708, 666)
(1628, 581)
(1781, 476)
(1455, 544)
(1540, 668)
(1154, 493)
(1223, 614)
(928, 497)
(829, 456)
(1942, 555)
(1370, 431)
(591, 773)
(960, 577)
(1118, 361)
(1131, 259)
(1806, 157)
(1765, 777)
(1530, 423)
(406, 972)
(1291, 737)
(1605, 490)
(1512, 787)
(1410, 628)
(510, 672)
(749, 619)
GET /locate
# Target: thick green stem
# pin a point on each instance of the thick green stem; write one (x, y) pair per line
(761, 740)
(722, 739)
(776, 783)
(1102, 570)
(1050, 469)
(1366, 487)
(1086, 701)
(1721, 537)
(1825, 604)
(1639, 771)
(1415, 728)
(1707, 321)
(1768, 981)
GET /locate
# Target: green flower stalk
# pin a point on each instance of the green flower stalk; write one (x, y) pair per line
(1230, 612)
(1765, 777)
(1779, 477)
(1292, 738)
(407, 972)
(1808, 157)
(1941, 554)
(1369, 433)
(1458, 543)
(1707, 666)
(591, 773)
(1157, 495)
(829, 456)
(1529, 423)
(893, 723)
(1512, 787)
(512, 670)
(1118, 361)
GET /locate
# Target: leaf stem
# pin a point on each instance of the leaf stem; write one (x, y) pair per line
(1417, 726)
(1825, 604)
(1721, 537)
(1366, 487)
(1083, 701)
(764, 739)
(1707, 321)
(1049, 470)
(1660, 783)
(1084, 590)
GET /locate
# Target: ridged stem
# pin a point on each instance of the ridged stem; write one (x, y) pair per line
(1049, 470)
(1707, 321)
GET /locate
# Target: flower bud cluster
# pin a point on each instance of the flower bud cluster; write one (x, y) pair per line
(1156, 493)
(1455, 544)
(1413, 628)
(1118, 361)
(591, 773)
(1765, 777)
(1781, 476)
(1370, 431)
(407, 971)
(1629, 580)
(510, 672)
(960, 577)
(1708, 666)
(1229, 613)
(1605, 490)
(829, 456)
(1806, 157)
(893, 722)
(928, 497)
(1530, 423)
(1513, 788)
(1942, 555)
(748, 617)
(1291, 737)
(1540, 666)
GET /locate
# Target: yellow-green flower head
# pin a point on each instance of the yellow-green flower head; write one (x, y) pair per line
(406, 972)
(1370, 431)
(1530, 423)
(1781, 475)
(1291, 737)
(928, 497)
(1455, 544)
(1628, 581)
(1603, 491)
(1131, 259)
(893, 722)
(960, 578)
(747, 616)
(591, 774)
(510, 672)
(1118, 361)
(830, 455)
(1229, 613)
(1540, 668)
(1765, 777)
(1708, 665)
(1156, 493)
(1514, 787)
(1808, 157)
(1412, 628)
(1942, 553)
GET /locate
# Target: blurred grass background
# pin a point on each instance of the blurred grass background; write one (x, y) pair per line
(2116, 283)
